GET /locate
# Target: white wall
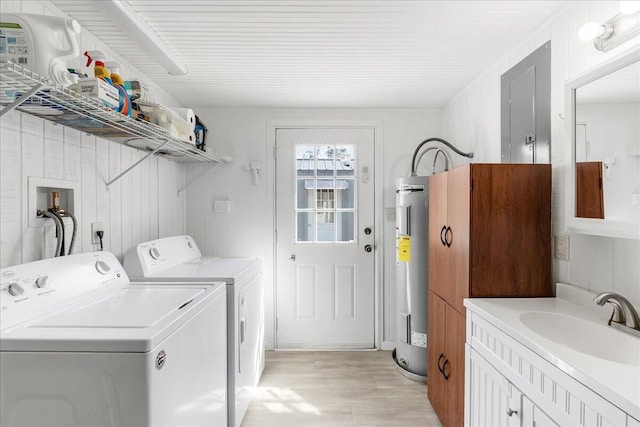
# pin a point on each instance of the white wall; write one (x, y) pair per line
(142, 205)
(248, 229)
(596, 263)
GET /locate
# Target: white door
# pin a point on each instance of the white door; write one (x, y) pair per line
(325, 238)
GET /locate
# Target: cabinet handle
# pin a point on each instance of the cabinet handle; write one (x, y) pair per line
(448, 236)
(440, 368)
(444, 229)
(446, 376)
(510, 412)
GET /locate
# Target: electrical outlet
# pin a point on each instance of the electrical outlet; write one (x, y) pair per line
(95, 226)
(562, 247)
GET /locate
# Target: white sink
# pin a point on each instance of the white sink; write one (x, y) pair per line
(584, 336)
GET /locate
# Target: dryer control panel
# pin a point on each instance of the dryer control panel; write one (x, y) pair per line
(40, 286)
(154, 256)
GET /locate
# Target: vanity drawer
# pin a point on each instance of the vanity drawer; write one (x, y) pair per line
(562, 397)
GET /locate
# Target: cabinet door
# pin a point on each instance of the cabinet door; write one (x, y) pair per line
(489, 396)
(458, 220)
(511, 230)
(435, 350)
(532, 416)
(438, 251)
(455, 331)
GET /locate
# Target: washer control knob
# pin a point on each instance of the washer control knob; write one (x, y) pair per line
(190, 244)
(155, 253)
(15, 289)
(102, 267)
(41, 281)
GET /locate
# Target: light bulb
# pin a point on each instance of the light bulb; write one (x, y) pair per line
(590, 31)
(629, 7)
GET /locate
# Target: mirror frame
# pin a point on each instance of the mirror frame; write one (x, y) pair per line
(599, 227)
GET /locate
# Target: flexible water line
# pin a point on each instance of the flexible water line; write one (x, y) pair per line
(415, 153)
(58, 228)
(73, 233)
(59, 217)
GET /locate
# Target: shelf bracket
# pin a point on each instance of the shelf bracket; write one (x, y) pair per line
(18, 101)
(124, 172)
(197, 177)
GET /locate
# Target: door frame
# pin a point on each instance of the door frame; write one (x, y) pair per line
(378, 261)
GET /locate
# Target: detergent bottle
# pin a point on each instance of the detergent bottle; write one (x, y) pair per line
(41, 44)
(99, 69)
(125, 102)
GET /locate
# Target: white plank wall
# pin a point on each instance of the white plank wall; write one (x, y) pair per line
(130, 210)
(596, 263)
(142, 205)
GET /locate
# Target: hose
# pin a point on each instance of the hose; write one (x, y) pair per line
(73, 234)
(415, 153)
(57, 215)
(435, 158)
(58, 228)
(448, 161)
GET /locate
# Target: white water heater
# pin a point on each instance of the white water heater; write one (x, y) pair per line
(412, 276)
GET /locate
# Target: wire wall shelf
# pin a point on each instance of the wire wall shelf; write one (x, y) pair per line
(33, 94)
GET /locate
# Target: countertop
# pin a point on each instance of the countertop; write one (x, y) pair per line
(617, 382)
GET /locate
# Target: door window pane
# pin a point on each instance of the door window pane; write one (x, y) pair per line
(345, 227)
(326, 226)
(305, 227)
(345, 193)
(305, 199)
(325, 199)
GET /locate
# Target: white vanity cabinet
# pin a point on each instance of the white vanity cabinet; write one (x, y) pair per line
(493, 400)
(508, 384)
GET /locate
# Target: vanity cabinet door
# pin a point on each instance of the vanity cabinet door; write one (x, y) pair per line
(490, 399)
(532, 416)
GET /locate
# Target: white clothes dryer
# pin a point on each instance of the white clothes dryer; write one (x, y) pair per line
(178, 258)
(81, 346)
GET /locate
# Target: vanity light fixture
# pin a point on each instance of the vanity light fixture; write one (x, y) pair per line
(124, 16)
(617, 30)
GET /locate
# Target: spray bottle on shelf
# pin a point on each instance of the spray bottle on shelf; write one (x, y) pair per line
(99, 70)
(118, 83)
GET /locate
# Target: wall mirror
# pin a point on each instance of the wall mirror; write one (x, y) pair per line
(603, 193)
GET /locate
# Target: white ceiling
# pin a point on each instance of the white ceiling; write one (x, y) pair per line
(314, 53)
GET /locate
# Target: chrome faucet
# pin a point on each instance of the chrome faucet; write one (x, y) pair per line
(623, 312)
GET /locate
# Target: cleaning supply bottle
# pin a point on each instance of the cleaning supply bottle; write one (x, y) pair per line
(99, 70)
(118, 83)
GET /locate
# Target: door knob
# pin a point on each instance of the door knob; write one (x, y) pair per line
(368, 248)
(510, 412)
(292, 257)
(367, 230)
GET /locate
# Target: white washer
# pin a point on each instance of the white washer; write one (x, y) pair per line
(178, 258)
(81, 346)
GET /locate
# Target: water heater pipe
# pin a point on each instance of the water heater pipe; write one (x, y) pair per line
(434, 139)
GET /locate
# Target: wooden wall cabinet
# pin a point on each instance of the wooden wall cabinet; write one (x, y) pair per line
(489, 236)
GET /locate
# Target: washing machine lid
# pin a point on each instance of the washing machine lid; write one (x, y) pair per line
(228, 270)
(130, 318)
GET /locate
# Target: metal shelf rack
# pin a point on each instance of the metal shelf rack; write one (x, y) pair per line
(33, 94)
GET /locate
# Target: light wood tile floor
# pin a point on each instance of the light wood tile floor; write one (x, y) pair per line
(341, 389)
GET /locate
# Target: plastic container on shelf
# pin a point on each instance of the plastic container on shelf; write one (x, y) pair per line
(41, 43)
